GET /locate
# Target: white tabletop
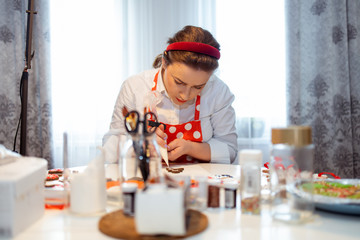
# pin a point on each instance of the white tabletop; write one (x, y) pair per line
(223, 223)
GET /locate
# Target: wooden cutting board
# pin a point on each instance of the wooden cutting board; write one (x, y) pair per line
(118, 225)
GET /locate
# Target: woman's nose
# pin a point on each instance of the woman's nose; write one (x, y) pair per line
(185, 95)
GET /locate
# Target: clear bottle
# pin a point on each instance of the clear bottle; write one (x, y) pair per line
(291, 168)
(140, 160)
(250, 184)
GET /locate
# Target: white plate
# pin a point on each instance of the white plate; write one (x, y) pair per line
(339, 205)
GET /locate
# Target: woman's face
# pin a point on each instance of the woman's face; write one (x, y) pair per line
(183, 83)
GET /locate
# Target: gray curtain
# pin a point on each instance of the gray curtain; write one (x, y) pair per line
(13, 23)
(323, 79)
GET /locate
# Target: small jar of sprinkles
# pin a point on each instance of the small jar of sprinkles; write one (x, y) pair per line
(230, 193)
(128, 192)
(214, 193)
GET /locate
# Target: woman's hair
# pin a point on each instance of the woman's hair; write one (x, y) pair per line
(191, 59)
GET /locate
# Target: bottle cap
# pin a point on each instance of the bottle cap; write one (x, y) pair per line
(292, 135)
(129, 187)
(250, 155)
(231, 185)
(214, 182)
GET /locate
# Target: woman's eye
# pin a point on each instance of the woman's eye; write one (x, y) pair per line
(178, 83)
(198, 87)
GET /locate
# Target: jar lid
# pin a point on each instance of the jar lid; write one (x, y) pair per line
(292, 135)
(231, 185)
(129, 187)
(250, 156)
(214, 181)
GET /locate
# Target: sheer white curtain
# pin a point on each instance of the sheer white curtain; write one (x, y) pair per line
(85, 74)
(96, 44)
(252, 38)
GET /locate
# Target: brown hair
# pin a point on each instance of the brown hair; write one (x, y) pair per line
(191, 59)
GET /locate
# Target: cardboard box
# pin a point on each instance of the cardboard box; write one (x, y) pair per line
(21, 193)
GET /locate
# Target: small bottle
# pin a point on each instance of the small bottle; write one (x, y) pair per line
(250, 185)
(214, 193)
(230, 194)
(129, 191)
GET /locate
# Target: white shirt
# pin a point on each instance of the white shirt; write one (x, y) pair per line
(216, 113)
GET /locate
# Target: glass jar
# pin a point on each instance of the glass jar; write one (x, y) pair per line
(291, 171)
(140, 160)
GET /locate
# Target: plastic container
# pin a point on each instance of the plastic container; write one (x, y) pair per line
(250, 184)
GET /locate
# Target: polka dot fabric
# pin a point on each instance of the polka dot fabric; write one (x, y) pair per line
(189, 131)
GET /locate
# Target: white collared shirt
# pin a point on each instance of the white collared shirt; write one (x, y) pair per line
(216, 113)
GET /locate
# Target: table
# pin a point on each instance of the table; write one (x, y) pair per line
(223, 223)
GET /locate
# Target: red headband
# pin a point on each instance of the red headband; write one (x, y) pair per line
(195, 47)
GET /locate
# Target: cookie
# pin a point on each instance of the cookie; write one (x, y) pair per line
(57, 171)
(50, 184)
(174, 170)
(52, 177)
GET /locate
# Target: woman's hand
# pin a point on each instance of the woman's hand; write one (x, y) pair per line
(161, 136)
(179, 147)
(198, 150)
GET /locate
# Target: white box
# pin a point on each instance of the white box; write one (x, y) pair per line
(160, 210)
(21, 193)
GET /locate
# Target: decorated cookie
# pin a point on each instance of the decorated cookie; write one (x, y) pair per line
(57, 171)
(52, 177)
(174, 170)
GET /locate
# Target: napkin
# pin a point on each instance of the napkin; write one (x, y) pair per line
(7, 156)
(88, 188)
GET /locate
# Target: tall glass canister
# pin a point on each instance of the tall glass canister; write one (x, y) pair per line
(291, 172)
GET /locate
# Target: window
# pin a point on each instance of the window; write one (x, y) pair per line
(251, 34)
(86, 70)
(88, 61)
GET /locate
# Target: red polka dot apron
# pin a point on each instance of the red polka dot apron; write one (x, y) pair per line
(189, 131)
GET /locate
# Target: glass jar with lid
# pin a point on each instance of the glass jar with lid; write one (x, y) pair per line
(291, 171)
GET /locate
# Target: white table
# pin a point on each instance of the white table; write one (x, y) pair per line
(223, 223)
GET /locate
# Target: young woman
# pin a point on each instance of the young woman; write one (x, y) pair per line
(184, 93)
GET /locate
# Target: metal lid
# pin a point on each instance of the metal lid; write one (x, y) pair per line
(292, 135)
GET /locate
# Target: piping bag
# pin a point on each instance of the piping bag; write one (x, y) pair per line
(150, 101)
(164, 154)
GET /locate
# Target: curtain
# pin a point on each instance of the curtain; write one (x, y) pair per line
(323, 79)
(13, 24)
(92, 56)
(147, 25)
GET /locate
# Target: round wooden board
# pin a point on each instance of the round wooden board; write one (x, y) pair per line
(118, 225)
